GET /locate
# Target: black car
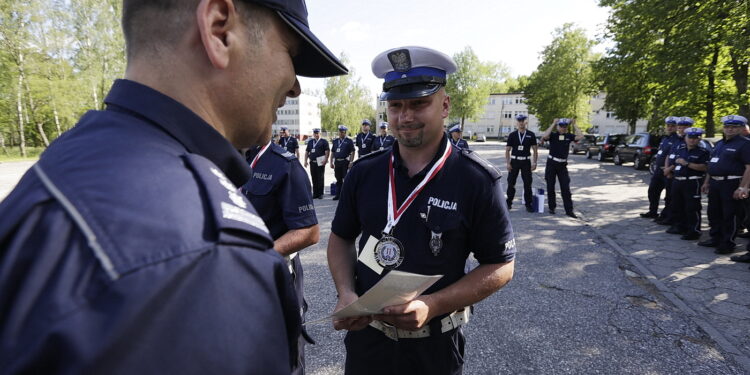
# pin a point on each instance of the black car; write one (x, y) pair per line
(604, 147)
(583, 144)
(639, 148)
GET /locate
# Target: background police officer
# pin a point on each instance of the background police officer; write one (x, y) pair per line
(365, 139)
(288, 142)
(518, 158)
(659, 181)
(457, 137)
(317, 154)
(691, 163)
(459, 209)
(557, 162)
(727, 181)
(384, 140)
(343, 154)
(127, 248)
(669, 167)
(280, 192)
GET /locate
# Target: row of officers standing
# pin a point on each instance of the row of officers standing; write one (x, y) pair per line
(686, 170)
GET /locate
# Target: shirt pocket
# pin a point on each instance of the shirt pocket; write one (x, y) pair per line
(258, 188)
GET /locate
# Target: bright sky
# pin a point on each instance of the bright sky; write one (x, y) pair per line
(513, 32)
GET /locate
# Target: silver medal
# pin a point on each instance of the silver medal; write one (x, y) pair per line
(389, 252)
(436, 243)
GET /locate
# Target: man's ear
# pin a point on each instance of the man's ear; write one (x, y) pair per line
(217, 19)
(446, 106)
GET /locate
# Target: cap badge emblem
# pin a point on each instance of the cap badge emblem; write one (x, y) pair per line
(400, 60)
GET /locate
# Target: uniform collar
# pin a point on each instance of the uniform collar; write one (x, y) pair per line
(399, 166)
(195, 134)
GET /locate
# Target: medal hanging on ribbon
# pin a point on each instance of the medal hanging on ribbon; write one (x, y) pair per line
(260, 153)
(389, 251)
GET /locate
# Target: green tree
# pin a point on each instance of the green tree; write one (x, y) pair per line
(347, 101)
(564, 82)
(471, 84)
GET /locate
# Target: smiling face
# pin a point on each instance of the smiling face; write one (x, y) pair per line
(418, 122)
(730, 131)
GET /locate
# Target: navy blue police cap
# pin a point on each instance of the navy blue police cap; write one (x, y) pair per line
(313, 58)
(384, 125)
(693, 132)
(412, 72)
(284, 128)
(671, 120)
(316, 130)
(343, 128)
(734, 120)
(685, 121)
(455, 129)
(521, 117)
(563, 122)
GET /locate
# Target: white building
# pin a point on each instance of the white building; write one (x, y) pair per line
(300, 115)
(605, 122)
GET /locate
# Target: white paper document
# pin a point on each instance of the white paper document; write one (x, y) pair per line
(321, 160)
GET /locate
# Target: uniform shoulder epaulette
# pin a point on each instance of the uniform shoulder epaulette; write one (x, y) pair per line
(283, 152)
(486, 166)
(371, 154)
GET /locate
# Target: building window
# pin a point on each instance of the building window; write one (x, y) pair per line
(610, 115)
(507, 114)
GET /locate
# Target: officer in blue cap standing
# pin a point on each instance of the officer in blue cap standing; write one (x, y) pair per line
(669, 168)
(343, 155)
(518, 149)
(727, 181)
(280, 192)
(691, 163)
(557, 163)
(438, 203)
(288, 142)
(365, 139)
(127, 249)
(384, 140)
(659, 181)
(457, 137)
(317, 154)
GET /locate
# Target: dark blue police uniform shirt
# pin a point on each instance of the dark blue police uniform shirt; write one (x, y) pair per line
(321, 146)
(127, 249)
(364, 143)
(465, 202)
(289, 143)
(528, 140)
(280, 191)
(664, 147)
(678, 143)
(342, 148)
(460, 143)
(730, 158)
(558, 147)
(698, 155)
(383, 142)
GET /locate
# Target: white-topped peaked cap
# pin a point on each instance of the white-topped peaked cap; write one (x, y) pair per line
(734, 120)
(685, 121)
(412, 71)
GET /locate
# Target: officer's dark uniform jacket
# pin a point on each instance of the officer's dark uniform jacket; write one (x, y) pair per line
(460, 143)
(697, 155)
(464, 202)
(321, 146)
(364, 143)
(558, 144)
(342, 148)
(383, 142)
(665, 146)
(730, 158)
(289, 143)
(678, 143)
(127, 249)
(529, 140)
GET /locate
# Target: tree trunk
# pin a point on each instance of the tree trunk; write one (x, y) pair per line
(631, 126)
(740, 75)
(2, 144)
(32, 107)
(711, 93)
(19, 108)
(57, 119)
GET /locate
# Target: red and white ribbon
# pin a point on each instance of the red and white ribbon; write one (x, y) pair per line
(260, 153)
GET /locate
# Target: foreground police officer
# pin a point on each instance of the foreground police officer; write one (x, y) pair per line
(518, 158)
(365, 139)
(727, 181)
(384, 140)
(444, 203)
(288, 142)
(691, 163)
(127, 249)
(557, 162)
(343, 154)
(659, 181)
(280, 192)
(317, 154)
(457, 137)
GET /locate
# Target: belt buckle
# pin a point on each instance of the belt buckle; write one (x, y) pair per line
(390, 331)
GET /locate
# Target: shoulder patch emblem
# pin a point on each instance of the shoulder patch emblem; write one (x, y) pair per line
(234, 195)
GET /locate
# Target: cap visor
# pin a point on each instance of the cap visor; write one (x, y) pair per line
(313, 58)
(410, 91)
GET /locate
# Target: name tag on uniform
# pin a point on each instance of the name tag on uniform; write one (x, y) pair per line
(338, 149)
(678, 168)
(562, 138)
(363, 146)
(312, 151)
(714, 160)
(658, 153)
(520, 148)
(672, 156)
(382, 148)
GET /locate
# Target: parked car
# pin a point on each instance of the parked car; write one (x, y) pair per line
(604, 147)
(481, 138)
(638, 148)
(541, 143)
(583, 144)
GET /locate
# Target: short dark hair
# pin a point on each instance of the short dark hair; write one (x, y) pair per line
(150, 26)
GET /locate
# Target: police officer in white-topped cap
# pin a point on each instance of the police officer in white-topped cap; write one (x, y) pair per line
(364, 139)
(439, 204)
(457, 137)
(519, 148)
(659, 182)
(288, 142)
(557, 163)
(343, 155)
(669, 167)
(383, 140)
(317, 154)
(690, 165)
(727, 181)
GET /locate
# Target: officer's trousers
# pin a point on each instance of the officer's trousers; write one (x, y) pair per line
(722, 212)
(340, 167)
(686, 204)
(317, 174)
(304, 338)
(558, 170)
(523, 166)
(370, 352)
(655, 187)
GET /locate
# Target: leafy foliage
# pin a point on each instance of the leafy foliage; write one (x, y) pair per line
(347, 102)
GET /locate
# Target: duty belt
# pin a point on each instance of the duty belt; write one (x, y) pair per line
(342, 159)
(680, 178)
(558, 159)
(520, 157)
(722, 178)
(450, 322)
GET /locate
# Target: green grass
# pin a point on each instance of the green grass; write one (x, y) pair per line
(14, 153)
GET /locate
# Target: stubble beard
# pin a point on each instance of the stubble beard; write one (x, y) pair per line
(414, 141)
